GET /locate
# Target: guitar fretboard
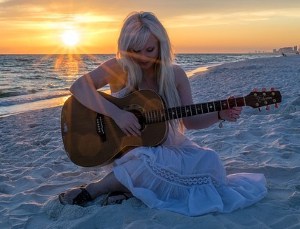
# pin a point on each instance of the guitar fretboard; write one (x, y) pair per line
(156, 116)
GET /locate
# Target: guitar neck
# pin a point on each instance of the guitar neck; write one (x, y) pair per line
(156, 116)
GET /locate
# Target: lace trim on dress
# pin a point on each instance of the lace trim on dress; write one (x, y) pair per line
(181, 180)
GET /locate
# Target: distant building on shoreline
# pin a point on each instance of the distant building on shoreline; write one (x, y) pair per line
(287, 50)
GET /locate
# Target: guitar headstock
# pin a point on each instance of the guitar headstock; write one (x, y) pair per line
(258, 99)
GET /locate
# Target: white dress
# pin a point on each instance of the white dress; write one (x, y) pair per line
(182, 177)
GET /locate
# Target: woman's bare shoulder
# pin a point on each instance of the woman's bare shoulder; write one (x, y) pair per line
(116, 76)
(179, 74)
(178, 69)
(112, 65)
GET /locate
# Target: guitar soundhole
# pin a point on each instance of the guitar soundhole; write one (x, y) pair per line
(140, 117)
(138, 111)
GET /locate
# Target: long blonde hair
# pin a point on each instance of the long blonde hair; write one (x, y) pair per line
(137, 28)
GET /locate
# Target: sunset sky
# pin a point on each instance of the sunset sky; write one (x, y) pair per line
(194, 26)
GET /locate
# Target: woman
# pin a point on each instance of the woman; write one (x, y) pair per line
(178, 175)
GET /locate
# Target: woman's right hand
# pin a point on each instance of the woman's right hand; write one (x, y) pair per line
(128, 123)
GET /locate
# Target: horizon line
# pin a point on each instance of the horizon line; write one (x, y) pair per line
(257, 52)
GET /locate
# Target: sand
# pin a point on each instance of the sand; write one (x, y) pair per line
(34, 167)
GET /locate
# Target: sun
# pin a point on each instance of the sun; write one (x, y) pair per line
(70, 38)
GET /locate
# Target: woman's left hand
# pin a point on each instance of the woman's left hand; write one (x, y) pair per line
(232, 114)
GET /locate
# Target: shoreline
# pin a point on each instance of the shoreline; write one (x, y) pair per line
(33, 106)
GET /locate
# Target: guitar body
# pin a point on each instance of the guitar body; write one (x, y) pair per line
(92, 139)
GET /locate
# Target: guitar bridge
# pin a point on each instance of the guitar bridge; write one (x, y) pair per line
(100, 127)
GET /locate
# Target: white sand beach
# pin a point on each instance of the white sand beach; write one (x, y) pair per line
(34, 167)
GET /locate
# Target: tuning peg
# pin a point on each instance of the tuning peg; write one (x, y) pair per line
(254, 90)
(276, 105)
(267, 107)
(272, 89)
(263, 89)
(259, 109)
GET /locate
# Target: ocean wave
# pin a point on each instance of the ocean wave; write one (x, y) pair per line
(7, 92)
(11, 91)
(25, 59)
(33, 97)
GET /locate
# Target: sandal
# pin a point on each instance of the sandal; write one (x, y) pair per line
(81, 199)
(115, 198)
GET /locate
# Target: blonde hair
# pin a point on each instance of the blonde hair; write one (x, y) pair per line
(137, 28)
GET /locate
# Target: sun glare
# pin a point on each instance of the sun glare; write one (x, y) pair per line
(70, 38)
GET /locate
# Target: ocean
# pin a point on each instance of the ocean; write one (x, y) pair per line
(30, 82)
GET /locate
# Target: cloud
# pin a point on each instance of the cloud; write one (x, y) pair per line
(26, 9)
(242, 17)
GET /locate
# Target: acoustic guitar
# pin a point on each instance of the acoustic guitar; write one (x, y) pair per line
(92, 139)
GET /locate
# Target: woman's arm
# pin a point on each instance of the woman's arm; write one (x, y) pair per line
(85, 88)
